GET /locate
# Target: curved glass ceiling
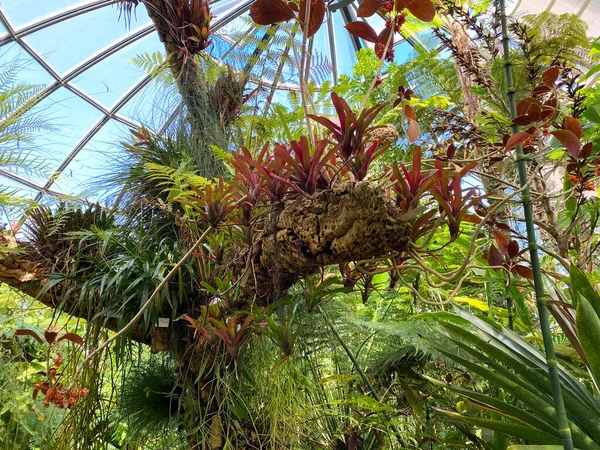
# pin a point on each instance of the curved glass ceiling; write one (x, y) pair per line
(92, 91)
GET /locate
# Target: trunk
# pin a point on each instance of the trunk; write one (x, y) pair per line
(351, 222)
(22, 272)
(472, 106)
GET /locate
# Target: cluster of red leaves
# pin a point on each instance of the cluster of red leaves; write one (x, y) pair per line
(233, 331)
(301, 168)
(305, 167)
(540, 112)
(212, 204)
(189, 25)
(310, 14)
(351, 132)
(393, 11)
(442, 183)
(53, 390)
(506, 251)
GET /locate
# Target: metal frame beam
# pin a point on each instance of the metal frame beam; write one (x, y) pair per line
(65, 81)
(92, 132)
(346, 7)
(57, 18)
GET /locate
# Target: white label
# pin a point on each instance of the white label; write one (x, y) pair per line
(163, 322)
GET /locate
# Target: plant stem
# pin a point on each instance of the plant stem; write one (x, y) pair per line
(540, 295)
(362, 374)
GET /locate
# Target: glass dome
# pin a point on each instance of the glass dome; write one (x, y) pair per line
(81, 55)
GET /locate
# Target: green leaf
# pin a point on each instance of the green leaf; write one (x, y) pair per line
(593, 112)
(588, 331)
(511, 429)
(515, 413)
(535, 447)
(581, 286)
(521, 309)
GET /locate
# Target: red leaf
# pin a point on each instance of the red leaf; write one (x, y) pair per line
(362, 30)
(568, 140)
(494, 257)
(409, 112)
(50, 336)
(413, 131)
(550, 76)
(451, 151)
(527, 105)
(72, 337)
(384, 37)
(472, 218)
(524, 271)
(540, 90)
(422, 9)
(502, 241)
(516, 139)
(513, 249)
(586, 150)
(522, 120)
(267, 12)
(369, 7)
(316, 16)
(573, 126)
(33, 334)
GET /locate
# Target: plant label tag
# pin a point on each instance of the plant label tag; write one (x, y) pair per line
(163, 322)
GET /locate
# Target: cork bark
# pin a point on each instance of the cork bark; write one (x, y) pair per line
(351, 222)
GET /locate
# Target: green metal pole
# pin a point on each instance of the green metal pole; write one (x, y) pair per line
(540, 295)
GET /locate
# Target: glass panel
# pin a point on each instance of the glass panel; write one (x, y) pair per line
(110, 79)
(592, 16)
(343, 45)
(84, 36)
(21, 12)
(321, 68)
(223, 8)
(12, 187)
(28, 69)
(3, 31)
(571, 7)
(152, 105)
(87, 171)
(402, 52)
(71, 117)
(532, 6)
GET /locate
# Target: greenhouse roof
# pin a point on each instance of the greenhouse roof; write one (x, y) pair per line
(92, 93)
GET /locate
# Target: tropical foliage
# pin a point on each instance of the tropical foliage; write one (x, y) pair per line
(407, 259)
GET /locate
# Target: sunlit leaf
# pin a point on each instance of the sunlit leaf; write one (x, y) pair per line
(267, 12)
(363, 30)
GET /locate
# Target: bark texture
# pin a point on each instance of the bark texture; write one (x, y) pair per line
(21, 271)
(351, 222)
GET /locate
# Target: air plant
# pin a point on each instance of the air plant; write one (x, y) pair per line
(213, 204)
(450, 196)
(351, 132)
(306, 170)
